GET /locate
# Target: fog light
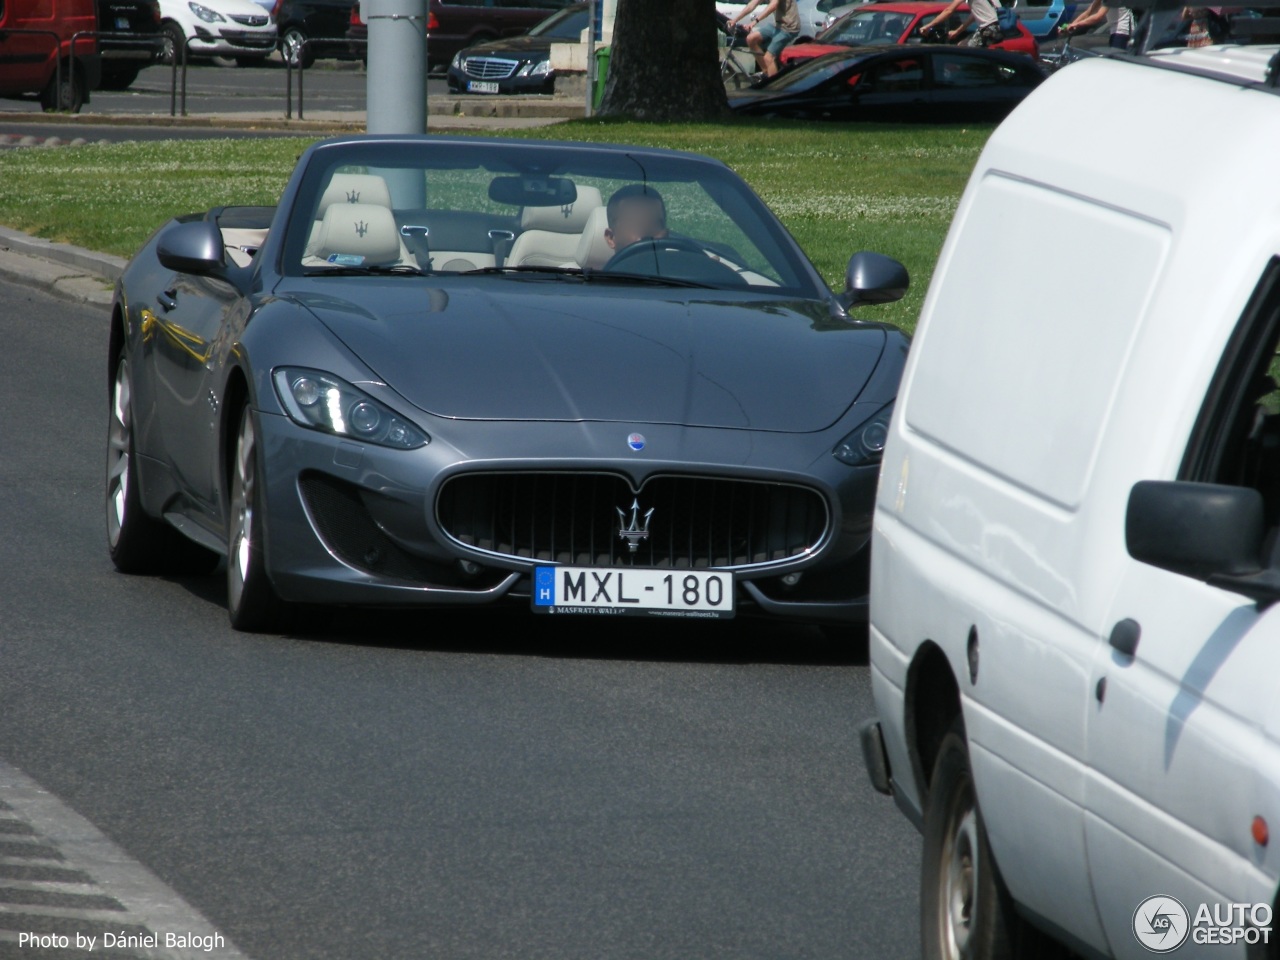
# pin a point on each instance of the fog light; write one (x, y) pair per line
(791, 579)
(469, 567)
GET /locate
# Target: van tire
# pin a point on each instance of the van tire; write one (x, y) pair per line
(965, 911)
(71, 97)
(175, 44)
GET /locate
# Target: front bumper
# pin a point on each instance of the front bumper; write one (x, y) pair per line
(544, 84)
(232, 42)
(355, 524)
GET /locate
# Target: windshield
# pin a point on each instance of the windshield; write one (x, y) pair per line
(867, 27)
(535, 211)
(568, 24)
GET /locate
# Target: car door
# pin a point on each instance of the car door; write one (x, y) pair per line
(1180, 760)
(891, 88)
(184, 326)
(973, 88)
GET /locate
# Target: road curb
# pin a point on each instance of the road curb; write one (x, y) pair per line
(67, 271)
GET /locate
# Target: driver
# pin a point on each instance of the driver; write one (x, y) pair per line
(635, 212)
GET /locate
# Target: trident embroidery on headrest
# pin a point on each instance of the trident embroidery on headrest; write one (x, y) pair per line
(361, 228)
(566, 210)
(353, 196)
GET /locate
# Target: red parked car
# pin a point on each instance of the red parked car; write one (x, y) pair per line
(35, 51)
(889, 23)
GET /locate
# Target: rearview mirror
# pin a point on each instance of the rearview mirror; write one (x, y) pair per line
(1206, 531)
(873, 278)
(533, 191)
(193, 247)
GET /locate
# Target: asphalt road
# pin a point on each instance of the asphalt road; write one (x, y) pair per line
(425, 786)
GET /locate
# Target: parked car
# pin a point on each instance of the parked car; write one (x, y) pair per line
(929, 83)
(874, 24)
(217, 28)
(124, 57)
(404, 393)
(35, 52)
(518, 64)
(313, 28)
(1075, 633)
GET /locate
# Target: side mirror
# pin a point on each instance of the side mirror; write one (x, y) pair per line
(193, 247)
(1206, 531)
(873, 278)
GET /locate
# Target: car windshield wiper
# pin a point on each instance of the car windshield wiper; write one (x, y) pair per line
(373, 270)
(581, 274)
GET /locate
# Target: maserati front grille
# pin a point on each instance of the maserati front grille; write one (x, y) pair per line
(596, 519)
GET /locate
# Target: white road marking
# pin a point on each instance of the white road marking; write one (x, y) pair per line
(64, 855)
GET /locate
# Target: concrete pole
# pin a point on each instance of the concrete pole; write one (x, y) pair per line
(396, 91)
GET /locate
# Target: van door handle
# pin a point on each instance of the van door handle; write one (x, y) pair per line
(1124, 637)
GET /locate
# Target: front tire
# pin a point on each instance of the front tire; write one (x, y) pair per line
(965, 911)
(137, 542)
(252, 603)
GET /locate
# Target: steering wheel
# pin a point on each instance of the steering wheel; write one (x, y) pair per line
(652, 248)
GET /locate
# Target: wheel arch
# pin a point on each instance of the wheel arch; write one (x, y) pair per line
(115, 344)
(234, 399)
(932, 703)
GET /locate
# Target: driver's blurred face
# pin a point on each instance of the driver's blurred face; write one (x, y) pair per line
(636, 219)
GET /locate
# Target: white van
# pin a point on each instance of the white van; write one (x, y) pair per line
(1075, 646)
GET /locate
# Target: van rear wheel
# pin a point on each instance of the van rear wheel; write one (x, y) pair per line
(69, 96)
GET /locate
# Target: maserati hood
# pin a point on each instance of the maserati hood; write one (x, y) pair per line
(515, 350)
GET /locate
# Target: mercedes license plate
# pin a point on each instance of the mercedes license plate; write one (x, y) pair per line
(122, 23)
(482, 86)
(633, 590)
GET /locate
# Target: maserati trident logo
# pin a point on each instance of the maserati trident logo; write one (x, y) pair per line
(630, 527)
(353, 196)
(361, 228)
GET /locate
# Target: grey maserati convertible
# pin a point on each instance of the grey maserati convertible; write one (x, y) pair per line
(585, 379)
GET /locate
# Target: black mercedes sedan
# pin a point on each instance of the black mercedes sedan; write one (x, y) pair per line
(518, 64)
(927, 83)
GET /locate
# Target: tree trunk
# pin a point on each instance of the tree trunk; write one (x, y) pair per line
(664, 64)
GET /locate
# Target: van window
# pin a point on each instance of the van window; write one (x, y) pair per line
(1236, 440)
(1021, 385)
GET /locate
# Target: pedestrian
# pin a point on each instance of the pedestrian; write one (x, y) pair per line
(766, 40)
(984, 13)
(1119, 22)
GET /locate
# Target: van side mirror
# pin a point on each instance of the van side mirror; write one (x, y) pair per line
(193, 247)
(1206, 531)
(873, 278)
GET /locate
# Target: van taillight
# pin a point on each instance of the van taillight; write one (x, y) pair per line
(355, 15)
(432, 22)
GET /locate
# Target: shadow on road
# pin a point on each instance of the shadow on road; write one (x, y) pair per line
(513, 629)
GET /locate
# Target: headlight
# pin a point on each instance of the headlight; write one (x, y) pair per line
(323, 402)
(457, 61)
(866, 444)
(539, 69)
(205, 14)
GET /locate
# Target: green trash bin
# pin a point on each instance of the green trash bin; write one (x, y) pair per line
(602, 74)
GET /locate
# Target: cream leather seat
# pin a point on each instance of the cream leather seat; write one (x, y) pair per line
(593, 250)
(354, 189)
(356, 235)
(549, 235)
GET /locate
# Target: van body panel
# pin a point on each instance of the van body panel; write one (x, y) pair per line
(29, 60)
(1099, 263)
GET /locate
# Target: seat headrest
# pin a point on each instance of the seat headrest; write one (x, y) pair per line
(354, 188)
(356, 235)
(593, 250)
(570, 218)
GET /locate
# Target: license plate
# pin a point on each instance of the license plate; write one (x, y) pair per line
(122, 23)
(633, 590)
(482, 86)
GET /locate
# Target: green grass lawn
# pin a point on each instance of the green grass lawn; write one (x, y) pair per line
(838, 188)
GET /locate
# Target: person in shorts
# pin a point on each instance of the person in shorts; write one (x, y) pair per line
(985, 14)
(766, 40)
(1119, 22)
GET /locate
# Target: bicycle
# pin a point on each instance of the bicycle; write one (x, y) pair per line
(732, 72)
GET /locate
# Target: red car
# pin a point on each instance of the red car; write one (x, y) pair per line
(888, 23)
